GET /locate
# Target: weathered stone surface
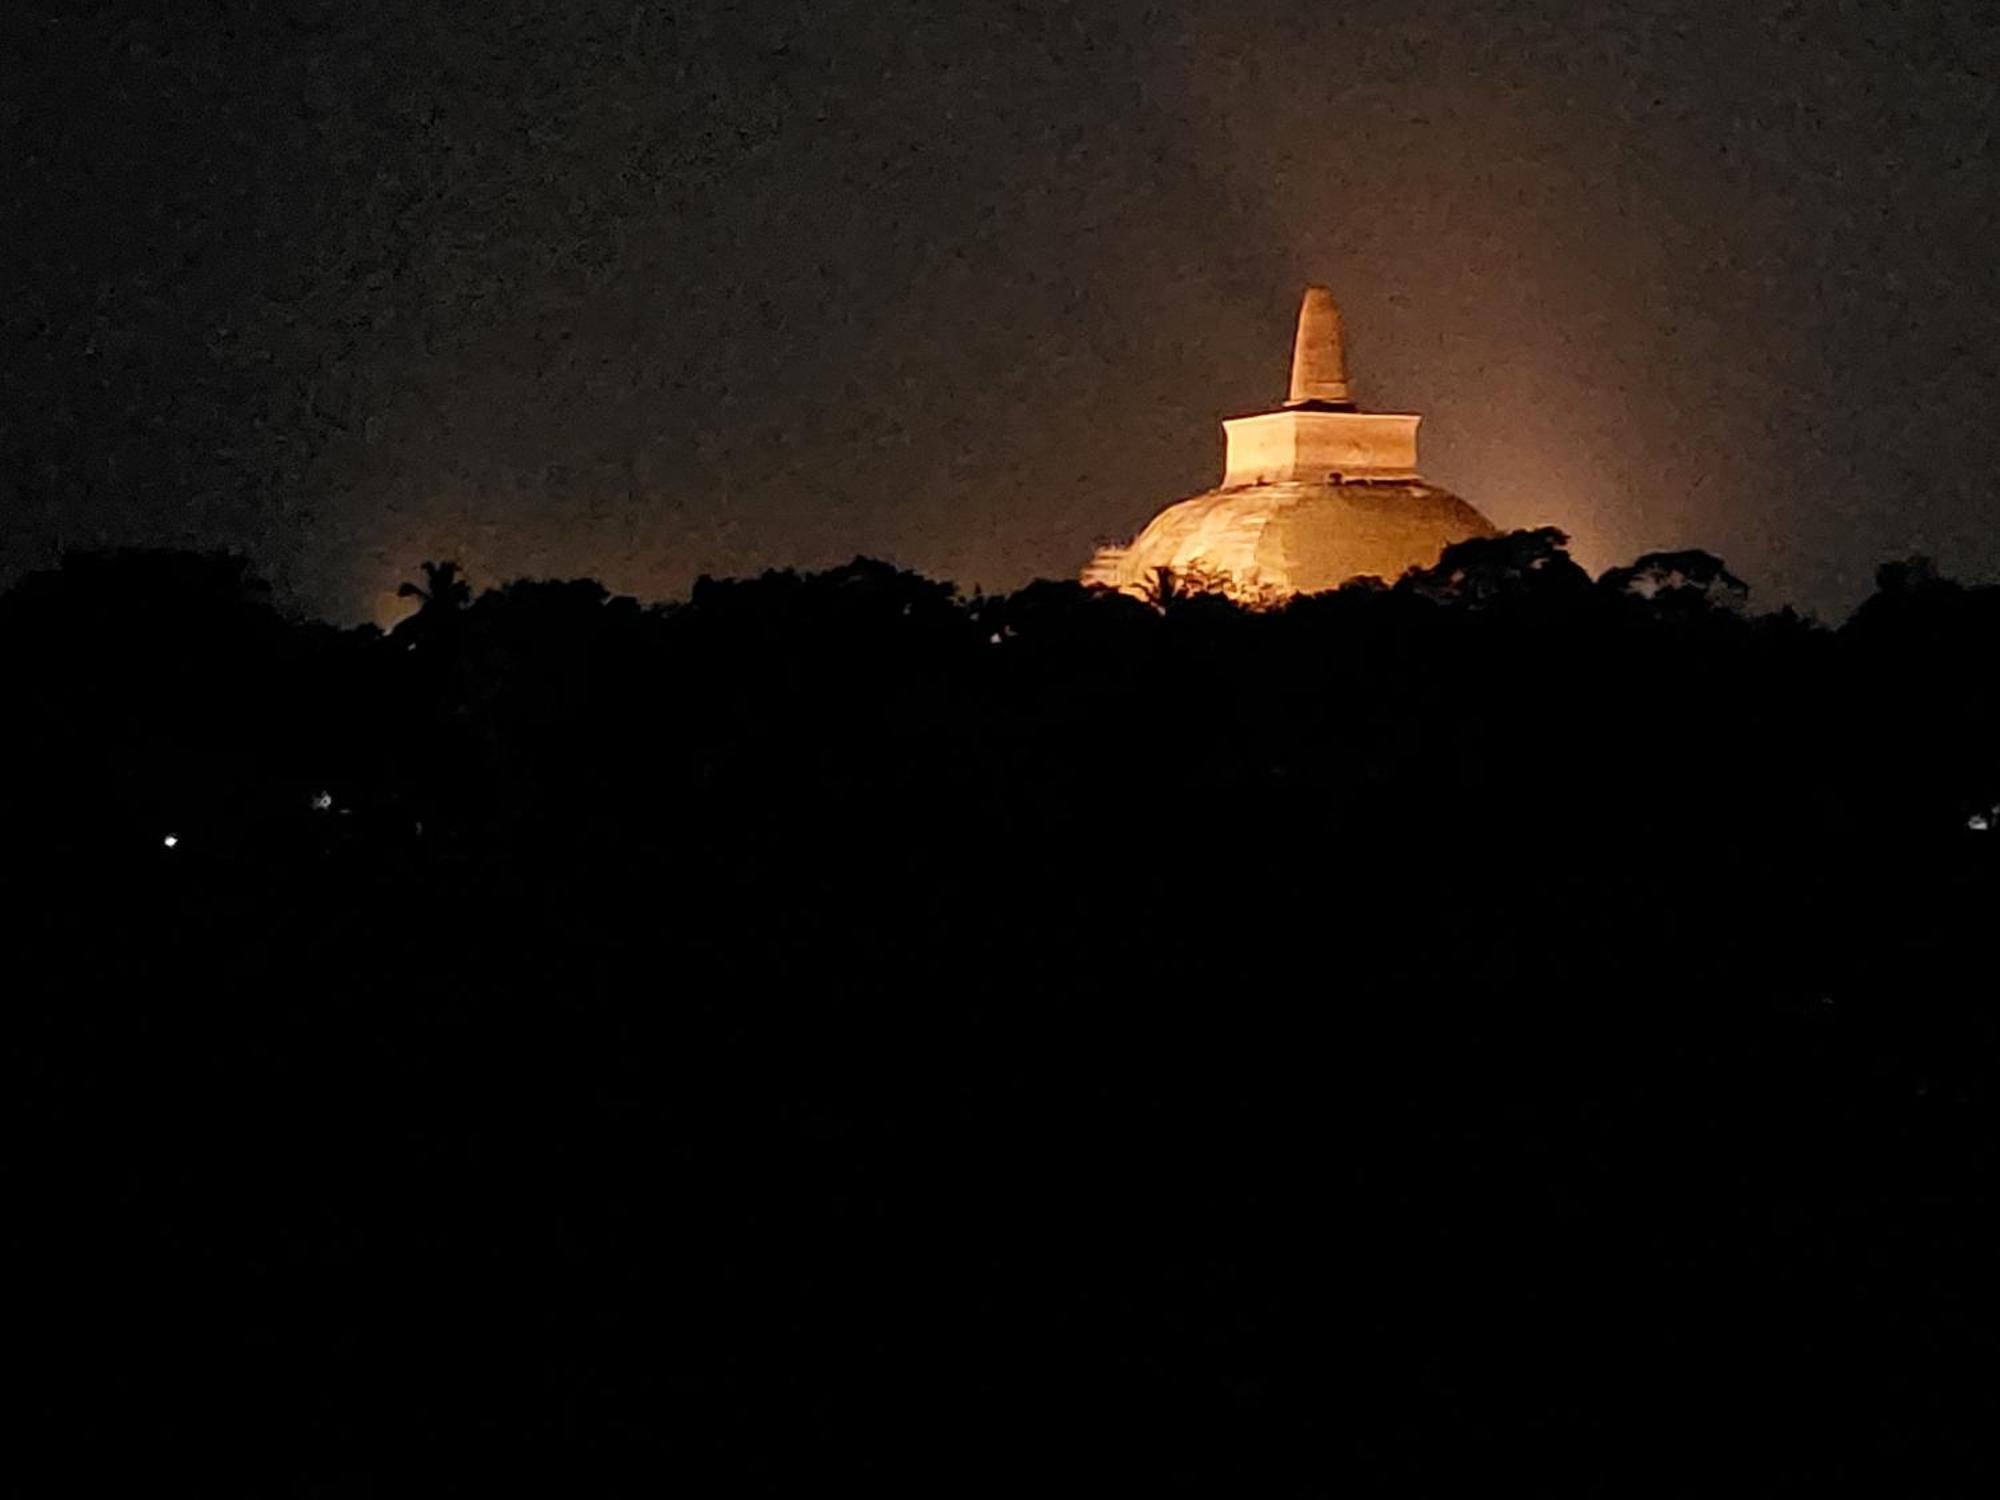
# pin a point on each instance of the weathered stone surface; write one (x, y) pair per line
(1278, 447)
(1319, 353)
(1271, 540)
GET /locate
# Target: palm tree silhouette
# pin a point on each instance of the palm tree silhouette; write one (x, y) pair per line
(444, 588)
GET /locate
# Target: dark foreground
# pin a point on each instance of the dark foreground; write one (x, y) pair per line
(1503, 1032)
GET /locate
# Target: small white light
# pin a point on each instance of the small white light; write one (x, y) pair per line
(322, 801)
(1979, 823)
(171, 839)
(993, 639)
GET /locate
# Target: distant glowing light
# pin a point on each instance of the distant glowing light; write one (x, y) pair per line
(171, 840)
(322, 801)
(1979, 823)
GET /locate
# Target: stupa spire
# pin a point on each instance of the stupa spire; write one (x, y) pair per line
(1319, 360)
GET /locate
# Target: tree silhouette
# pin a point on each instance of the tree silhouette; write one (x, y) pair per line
(1691, 577)
(1165, 587)
(443, 598)
(1516, 565)
(1650, 930)
(444, 588)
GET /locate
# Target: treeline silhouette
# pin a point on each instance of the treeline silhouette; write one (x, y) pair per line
(1507, 1028)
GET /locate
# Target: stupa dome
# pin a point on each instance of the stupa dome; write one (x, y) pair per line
(1312, 495)
(1271, 540)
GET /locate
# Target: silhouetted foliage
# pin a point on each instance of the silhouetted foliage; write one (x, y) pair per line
(443, 589)
(1692, 578)
(834, 1027)
(443, 596)
(1489, 569)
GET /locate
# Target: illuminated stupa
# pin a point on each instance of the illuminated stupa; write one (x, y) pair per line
(1312, 495)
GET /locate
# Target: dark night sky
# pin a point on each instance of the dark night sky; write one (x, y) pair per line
(646, 290)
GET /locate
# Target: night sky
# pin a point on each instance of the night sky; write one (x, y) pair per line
(645, 290)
